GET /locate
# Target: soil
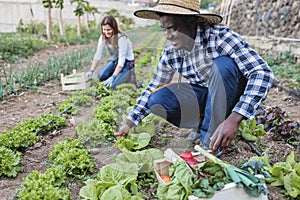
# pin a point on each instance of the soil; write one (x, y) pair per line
(48, 97)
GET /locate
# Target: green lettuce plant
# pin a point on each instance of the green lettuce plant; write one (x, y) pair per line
(10, 162)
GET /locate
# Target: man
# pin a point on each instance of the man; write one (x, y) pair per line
(228, 80)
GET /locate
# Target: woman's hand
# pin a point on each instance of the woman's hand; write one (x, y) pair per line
(89, 74)
(108, 82)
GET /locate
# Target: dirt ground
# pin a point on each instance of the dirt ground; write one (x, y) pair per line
(47, 99)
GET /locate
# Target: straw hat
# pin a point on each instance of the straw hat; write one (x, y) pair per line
(177, 7)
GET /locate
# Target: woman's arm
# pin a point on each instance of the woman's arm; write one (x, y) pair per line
(94, 65)
(98, 55)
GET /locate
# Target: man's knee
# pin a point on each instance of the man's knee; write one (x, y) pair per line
(154, 99)
(226, 66)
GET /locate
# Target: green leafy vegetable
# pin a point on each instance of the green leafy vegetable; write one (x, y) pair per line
(116, 179)
(94, 132)
(256, 167)
(25, 133)
(133, 141)
(10, 162)
(72, 157)
(287, 174)
(250, 131)
(42, 186)
(180, 186)
(242, 178)
(142, 159)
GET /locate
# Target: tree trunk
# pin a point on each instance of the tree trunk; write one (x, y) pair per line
(87, 23)
(60, 22)
(78, 26)
(49, 25)
(230, 11)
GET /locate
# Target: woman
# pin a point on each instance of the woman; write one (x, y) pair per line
(119, 69)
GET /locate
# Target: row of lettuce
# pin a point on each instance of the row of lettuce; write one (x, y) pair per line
(69, 158)
(27, 132)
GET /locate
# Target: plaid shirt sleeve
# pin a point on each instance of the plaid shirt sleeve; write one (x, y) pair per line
(253, 67)
(163, 75)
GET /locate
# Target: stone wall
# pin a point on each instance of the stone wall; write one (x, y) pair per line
(272, 25)
(279, 18)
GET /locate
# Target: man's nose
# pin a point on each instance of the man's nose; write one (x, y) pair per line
(168, 34)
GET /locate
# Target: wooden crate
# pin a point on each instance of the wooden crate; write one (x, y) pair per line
(75, 81)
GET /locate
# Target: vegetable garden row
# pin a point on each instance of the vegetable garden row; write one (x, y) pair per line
(130, 174)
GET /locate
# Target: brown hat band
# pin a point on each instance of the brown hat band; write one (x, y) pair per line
(176, 5)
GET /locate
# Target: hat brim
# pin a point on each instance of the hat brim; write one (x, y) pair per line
(153, 13)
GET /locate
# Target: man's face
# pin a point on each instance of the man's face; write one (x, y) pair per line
(176, 32)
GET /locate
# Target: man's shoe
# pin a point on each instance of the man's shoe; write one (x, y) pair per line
(194, 136)
(204, 146)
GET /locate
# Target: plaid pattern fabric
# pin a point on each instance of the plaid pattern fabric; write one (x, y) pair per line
(195, 66)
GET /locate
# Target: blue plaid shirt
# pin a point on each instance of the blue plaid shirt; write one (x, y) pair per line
(195, 66)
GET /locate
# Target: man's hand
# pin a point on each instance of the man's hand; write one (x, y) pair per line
(225, 132)
(108, 82)
(89, 74)
(124, 129)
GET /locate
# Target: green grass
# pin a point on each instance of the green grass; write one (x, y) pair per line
(285, 66)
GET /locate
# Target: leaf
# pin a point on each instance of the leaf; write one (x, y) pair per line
(249, 137)
(133, 141)
(142, 159)
(89, 191)
(117, 192)
(291, 184)
(265, 159)
(291, 159)
(250, 131)
(147, 128)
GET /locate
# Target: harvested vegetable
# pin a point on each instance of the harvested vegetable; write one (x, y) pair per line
(242, 178)
(166, 178)
(212, 178)
(181, 185)
(189, 158)
(186, 155)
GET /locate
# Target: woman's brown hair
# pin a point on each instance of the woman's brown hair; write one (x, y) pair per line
(112, 22)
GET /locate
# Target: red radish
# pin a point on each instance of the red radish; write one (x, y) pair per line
(186, 155)
(191, 161)
(189, 158)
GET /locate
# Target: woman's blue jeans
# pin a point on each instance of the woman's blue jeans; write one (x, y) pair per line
(192, 106)
(107, 71)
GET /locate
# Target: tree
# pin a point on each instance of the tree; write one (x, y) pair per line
(89, 10)
(79, 11)
(124, 22)
(60, 5)
(48, 4)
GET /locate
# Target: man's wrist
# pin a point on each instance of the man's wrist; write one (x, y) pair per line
(113, 76)
(129, 123)
(236, 117)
